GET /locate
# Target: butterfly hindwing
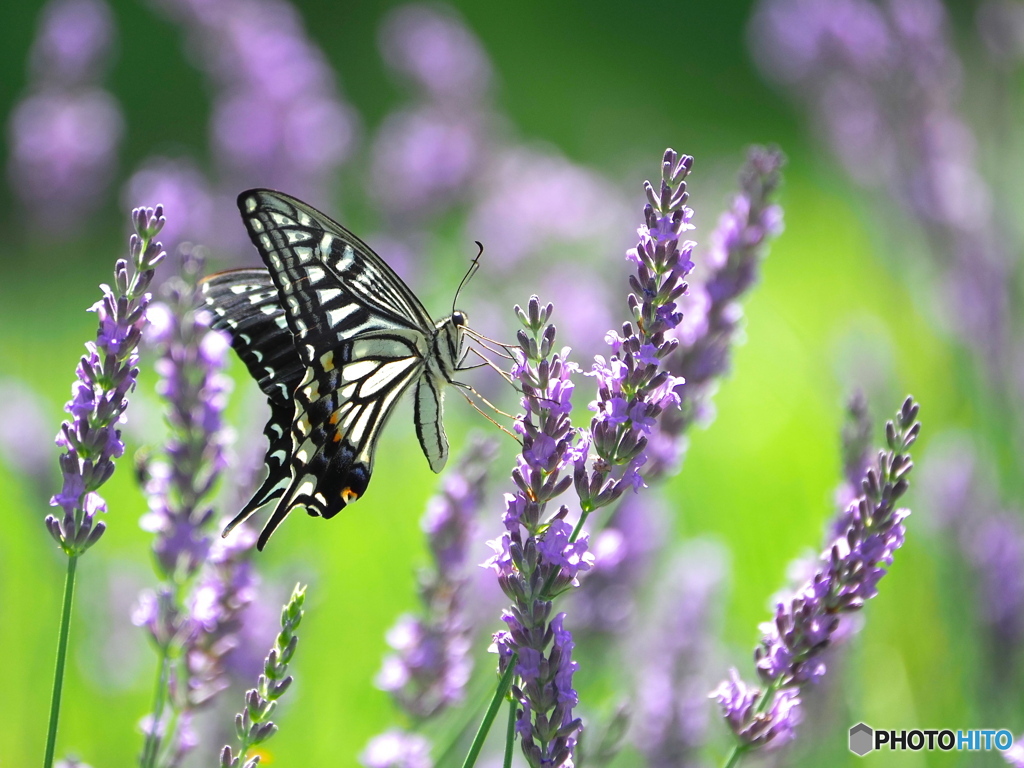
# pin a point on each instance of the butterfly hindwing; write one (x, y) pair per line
(340, 409)
(245, 304)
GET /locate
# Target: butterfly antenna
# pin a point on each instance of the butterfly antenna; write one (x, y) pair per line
(473, 267)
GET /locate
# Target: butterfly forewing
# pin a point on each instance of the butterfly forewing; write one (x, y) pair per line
(334, 338)
(332, 286)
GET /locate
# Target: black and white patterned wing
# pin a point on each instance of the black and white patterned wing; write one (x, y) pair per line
(340, 408)
(245, 304)
(332, 286)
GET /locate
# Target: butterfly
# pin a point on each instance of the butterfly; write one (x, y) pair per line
(333, 338)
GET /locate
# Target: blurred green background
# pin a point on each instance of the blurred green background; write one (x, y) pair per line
(609, 85)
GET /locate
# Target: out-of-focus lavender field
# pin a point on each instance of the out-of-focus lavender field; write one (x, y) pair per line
(881, 260)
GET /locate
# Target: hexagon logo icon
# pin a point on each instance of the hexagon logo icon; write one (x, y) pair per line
(861, 739)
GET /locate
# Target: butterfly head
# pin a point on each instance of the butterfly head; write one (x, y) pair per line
(451, 341)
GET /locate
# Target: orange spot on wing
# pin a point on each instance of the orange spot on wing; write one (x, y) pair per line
(348, 495)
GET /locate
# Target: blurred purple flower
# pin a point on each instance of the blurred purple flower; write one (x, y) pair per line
(1015, 754)
(106, 374)
(790, 654)
(958, 487)
(186, 196)
(435, 152)
(432, 47)
(74, 42)
(883, 83)
(671, 711)
(521, 188)
(396, 749)
(65, 132)
(23, 428)
(624, 553)
(63, 151)
(431, 665)
(712, 314)
(194, 615)
(278, 119)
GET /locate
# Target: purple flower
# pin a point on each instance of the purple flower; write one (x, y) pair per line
(1015, 754)
(64, 134)
(712, 313)
(536, 558)
(187, 198)
(673, 655)
(883, 84)
(73, 43)
(624, 551)
(106, 374)
(437, 145)
(959, 486)
(277, 119)
(847, 575)
(432, 47)
(396, 749)
(753, 725)
(633, 385)
(23, 429)
(431, 665)
(513, 212)
(435, 152)
(195, 616)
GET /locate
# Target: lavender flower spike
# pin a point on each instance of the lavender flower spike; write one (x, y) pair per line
(537, 557)
(730, 268)
(253, 724)
(847, 575)
(191, 624)
(432, 664)
(106, 374)
(634, 388)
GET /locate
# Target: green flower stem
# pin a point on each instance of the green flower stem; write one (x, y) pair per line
(62, 655)
(734, 757)
(152, 744)
(492, 710)
(510, 732)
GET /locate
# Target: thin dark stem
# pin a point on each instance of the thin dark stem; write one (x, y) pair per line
(62, 654)
(492, 710)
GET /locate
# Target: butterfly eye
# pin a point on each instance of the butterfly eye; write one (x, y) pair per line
(459, 318)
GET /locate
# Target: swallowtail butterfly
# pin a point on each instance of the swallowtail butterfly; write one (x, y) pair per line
(334, 338)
